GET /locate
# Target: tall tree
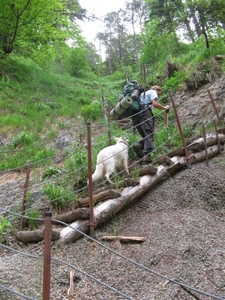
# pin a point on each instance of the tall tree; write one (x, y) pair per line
(26, 24)
(136, 12)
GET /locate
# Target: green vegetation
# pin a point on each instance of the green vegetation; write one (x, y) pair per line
(58, 195)
(5, 227)
(32, 217)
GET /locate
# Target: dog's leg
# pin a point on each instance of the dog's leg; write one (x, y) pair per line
(125, 164)
(107, 178)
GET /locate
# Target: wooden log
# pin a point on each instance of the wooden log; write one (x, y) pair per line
(124, 238)
(79, 213)
(195, 143)
(200, 156)
(34, 236)
(211, 139)
(120, 184)
(149, 169)
(165, 160)
(176, 152)
(101, 196)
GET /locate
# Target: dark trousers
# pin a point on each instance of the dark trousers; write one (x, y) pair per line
(144, 122)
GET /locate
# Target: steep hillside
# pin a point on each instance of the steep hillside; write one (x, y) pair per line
(196, 108)
(182, 220)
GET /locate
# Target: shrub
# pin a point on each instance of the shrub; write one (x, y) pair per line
(91, 112)
(5, 227)
(31, 222)
(58, 195)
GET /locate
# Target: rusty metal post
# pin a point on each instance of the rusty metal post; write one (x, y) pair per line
(24, 197)
(47, 256)
(167, 124)
(91, 222)
(213, 104)
(206, 152)
(103, 104)
(109, 132)
(217, 137)
(181, 131)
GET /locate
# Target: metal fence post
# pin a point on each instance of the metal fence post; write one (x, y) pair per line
(214, 106)
(47, 256)
(181, 131)
(24, 197)
(91, 222)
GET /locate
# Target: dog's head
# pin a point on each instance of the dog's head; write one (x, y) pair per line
(122, 139)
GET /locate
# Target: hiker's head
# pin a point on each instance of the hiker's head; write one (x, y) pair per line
(158, 89)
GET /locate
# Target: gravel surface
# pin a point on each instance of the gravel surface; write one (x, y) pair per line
(182, 220)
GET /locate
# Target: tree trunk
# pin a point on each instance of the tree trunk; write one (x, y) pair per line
(79, 213)
(34, 236)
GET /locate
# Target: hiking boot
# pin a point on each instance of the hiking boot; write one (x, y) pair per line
(138, 150)
(146, 160)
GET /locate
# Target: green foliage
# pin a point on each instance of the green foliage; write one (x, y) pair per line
(47, 24)
(167, 137)
(58, 195)
(31, 222)
(187, 131)
(78, 62)
(92, 112)
(11, 160)
(51, 172)
(22, 139)
(173, 84)
(77, 163)
(5, 227)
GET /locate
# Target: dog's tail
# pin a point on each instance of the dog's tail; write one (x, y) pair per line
(98, 173)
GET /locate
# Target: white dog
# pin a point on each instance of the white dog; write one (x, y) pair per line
(112, 158)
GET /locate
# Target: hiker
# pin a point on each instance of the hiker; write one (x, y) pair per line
(144, 122)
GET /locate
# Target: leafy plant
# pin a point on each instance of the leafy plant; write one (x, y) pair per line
(22, 139)
(31, 222)
(5, 227)
(58, 195)
(92, 112)
(51, 172)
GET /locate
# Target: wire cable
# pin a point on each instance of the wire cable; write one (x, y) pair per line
(130, 260)
(16, 293)
(140, 265)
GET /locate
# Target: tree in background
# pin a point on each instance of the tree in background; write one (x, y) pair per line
(121, 36)
(28, 25)
(194, 18)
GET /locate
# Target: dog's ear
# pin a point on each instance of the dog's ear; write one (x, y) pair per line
(124, 138)
(116, 139)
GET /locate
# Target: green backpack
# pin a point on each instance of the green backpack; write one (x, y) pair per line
(132, 90)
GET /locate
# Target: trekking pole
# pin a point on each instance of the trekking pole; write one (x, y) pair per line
(166, 122)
